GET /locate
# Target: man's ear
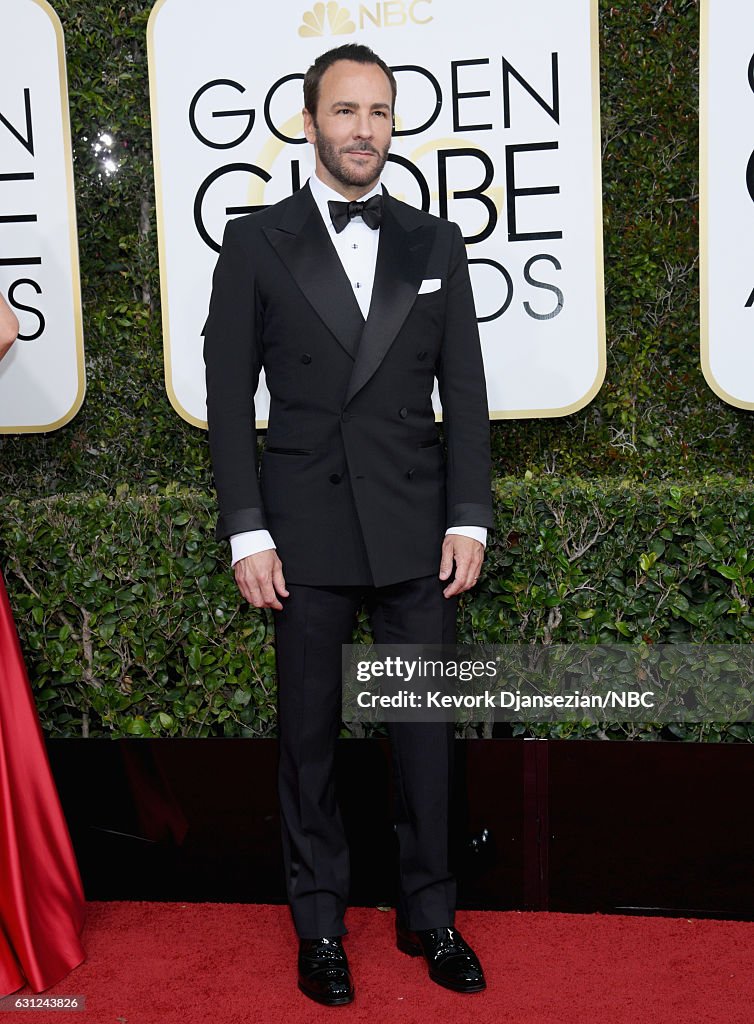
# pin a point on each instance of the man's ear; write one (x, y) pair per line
(309, 126)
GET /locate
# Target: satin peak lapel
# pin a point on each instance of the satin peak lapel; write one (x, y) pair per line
(401, 258)
(303, 244)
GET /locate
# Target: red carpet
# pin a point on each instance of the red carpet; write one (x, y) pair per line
(165, 963)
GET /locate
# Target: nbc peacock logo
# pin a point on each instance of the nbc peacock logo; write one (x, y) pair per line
(326, 19)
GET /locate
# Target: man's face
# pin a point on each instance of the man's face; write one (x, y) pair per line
(353, 126)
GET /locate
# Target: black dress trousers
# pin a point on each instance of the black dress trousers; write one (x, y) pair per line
(310, 630)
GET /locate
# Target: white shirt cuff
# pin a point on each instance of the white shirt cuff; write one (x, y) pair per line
(475, 532)
(251, 542)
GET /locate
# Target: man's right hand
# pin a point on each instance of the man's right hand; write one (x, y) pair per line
(260, 579)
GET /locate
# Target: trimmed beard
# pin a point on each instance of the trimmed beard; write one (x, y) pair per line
(332, 159)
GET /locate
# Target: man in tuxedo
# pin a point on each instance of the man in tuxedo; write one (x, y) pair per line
(353, 303)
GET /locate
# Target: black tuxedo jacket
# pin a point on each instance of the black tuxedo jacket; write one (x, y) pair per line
(354, 485)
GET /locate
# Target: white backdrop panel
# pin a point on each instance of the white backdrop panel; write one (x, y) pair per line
(42, 379)
(496, 98)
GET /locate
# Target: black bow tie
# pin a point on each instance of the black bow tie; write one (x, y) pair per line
(370, 212)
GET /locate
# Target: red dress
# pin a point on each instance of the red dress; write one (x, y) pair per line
(41, 897)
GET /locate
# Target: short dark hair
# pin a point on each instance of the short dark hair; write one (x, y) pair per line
(349, 51)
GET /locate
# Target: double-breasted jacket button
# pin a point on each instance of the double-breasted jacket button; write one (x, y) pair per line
(421, 355)
(410, 473)
(335, 478)
(345, 416)
(403, 413)
(305, 358)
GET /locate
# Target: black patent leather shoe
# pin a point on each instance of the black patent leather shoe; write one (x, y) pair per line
(323, 972)
(451, 961)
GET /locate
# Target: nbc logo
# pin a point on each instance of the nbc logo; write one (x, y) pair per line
(337, 19)
(331, 19)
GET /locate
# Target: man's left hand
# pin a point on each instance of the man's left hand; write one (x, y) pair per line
(468, 555)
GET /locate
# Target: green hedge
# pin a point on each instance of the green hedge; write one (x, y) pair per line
(132, 625)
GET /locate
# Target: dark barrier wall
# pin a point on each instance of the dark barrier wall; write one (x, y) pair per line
(127, 612)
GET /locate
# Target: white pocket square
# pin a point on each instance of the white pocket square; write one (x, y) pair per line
(432, 284)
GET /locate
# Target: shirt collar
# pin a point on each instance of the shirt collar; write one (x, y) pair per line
(322, 194)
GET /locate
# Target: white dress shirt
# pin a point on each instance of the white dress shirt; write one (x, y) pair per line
(356, 246)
